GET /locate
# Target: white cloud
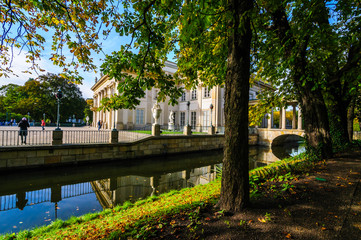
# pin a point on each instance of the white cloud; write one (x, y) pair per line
(19, 65)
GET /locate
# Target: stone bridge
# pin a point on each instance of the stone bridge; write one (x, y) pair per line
(272, 136)
(269, 134)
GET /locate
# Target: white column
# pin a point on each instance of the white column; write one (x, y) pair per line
(294, 117)
(95, 119)
(299, 126)
(283, 125)
(269, 120)
(280, 120)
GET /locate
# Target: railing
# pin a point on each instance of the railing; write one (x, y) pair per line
(130, 136)
(85, 136)
(33, 137)
(73, 190)
(8, 202)
(357, 135)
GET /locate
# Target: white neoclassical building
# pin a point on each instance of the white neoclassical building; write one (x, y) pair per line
(198, 115)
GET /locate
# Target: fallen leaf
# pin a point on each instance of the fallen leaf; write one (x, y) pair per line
(289, 236)
(262, 220)
(323, 228)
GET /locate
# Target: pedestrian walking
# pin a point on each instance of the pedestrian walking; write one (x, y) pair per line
(43, 124)
(99, 124)
(24, 125)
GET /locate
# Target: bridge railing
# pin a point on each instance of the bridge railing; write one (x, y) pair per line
(85, 136)
(357, 135)
(10, 138)
(33, 137)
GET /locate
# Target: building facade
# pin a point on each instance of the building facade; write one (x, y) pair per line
(198, 114)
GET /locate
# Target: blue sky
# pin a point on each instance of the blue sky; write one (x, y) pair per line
(19, 64)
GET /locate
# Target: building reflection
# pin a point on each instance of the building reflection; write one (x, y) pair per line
(113, 191)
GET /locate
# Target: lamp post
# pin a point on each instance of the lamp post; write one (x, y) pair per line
(188, 103)
(211, 107)
(58, 96)
(114, 129)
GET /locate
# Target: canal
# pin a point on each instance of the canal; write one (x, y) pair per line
(38, 197)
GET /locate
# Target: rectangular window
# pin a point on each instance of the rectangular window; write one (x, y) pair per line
(206, 119)
(183, 98)
(182, 118)
(139, 116)
(193, 119)
(194, 94)
(207, 92)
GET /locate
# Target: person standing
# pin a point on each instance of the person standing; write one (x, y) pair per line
(24, 125)
(99, 125)
(43, 124)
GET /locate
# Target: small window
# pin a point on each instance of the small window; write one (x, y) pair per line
(139, 116)
(183, 98)
(206, 119)
(182, 118)
(207, 92)
(194, 94)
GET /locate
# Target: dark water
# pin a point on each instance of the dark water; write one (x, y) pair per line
(38, 197)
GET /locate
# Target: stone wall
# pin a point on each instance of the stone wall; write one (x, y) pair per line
(37, 156)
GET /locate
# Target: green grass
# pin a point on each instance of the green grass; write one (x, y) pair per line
(133, 220)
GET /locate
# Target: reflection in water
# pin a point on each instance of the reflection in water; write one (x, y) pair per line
(37, 197)
(117, 190)
(289, 149)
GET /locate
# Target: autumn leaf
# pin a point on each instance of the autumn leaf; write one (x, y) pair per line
(289, 236)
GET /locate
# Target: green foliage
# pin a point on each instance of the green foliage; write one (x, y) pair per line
(356, 125)
(74, 25)
(37, 97)
(309, 51)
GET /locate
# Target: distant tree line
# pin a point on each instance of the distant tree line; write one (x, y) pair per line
(37, 97)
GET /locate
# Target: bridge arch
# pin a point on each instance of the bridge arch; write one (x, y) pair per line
(266, 136)
(281, 139)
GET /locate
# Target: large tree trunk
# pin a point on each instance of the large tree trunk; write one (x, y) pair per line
(315, 117)
(339, 122)
(350, 118)
(235, 177)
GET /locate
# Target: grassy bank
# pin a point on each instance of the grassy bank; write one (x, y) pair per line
(137, 220)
